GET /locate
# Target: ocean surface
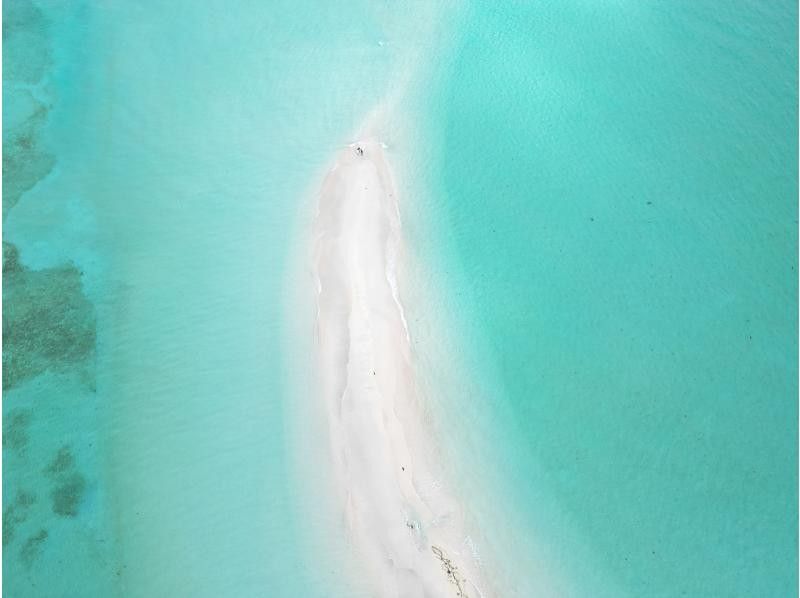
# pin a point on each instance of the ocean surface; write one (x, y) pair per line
(601, 210)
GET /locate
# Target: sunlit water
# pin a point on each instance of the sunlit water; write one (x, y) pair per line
(601, 211)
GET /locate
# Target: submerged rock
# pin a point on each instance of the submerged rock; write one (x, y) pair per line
(15, 429)
(62, 462)
(32, 547)
(25, 163)
(27, 53)
(68, 495)
(48, 323)
(16, 513)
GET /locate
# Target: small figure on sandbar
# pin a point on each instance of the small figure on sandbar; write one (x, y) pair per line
(359, 150)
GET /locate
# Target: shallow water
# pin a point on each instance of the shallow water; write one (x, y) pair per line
(600, 202)
(620, 193)
(185, 141)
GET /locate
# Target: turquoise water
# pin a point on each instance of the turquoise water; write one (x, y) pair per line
(177, 146)
(620, 187)
(607, 200)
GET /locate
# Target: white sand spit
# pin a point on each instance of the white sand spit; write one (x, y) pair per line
(403, 527)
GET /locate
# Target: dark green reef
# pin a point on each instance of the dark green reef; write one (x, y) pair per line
(49, 339)
(26, 58)
(48, 323)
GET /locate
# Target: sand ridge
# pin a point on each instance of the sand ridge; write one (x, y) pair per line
(401, 524)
